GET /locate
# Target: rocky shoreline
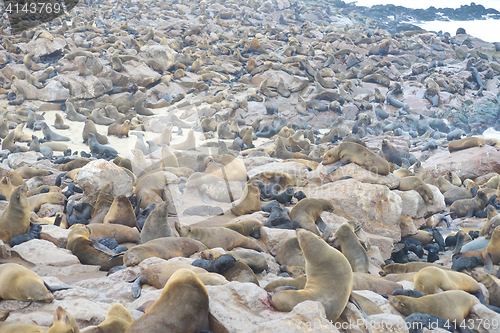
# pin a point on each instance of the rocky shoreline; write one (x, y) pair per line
(227, 107)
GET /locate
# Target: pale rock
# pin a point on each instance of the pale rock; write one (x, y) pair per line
(273, 238)
(18, 160)
(218, 190)
(257, 216)
(102, 286)
(467, 163)
(133, 271)
(332, 220)
(354, 171)
(42, 252)
(408, 227)
(236, 305)
(307, 316)
(73, 270)
(140, 73)
(48, 209)
(292, 168)
(380, 301)
(384, 244)
(257, 161)
(376, 258)
(85, 88)
(487, 318)
(97, 174)
(387, 323)
(55, 234)
(43, 46)
(373, 205)
(53, 91)
(407, 284)
(415, 207)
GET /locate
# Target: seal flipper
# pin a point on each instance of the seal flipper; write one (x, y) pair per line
(137, 286)
(488, 264)
(327, 232)
(55, 288)
(99, 247)
(356, 304)
(480, 297)
(337, 165)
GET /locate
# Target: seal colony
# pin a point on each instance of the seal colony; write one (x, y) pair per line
(156, 156)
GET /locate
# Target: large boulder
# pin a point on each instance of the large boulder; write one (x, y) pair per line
(236, 305)
(43, 46)
(292, 168)
(97, 174)
(354, 171)
(375, 206)
(468, 163)
(42, 252)
(415, 207)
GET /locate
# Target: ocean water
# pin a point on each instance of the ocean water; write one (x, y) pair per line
(485, 29)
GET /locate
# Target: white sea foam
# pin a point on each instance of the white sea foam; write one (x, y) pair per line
(486, 30)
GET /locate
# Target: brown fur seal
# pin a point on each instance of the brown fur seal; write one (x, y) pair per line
(257, 262)
(452, 305)
(245, 227)
(59, 122)
(121, 212)
(405, 268)
(117, 320)
(417, 184)
(349, 245)
(22, 284)
(90, 252)
(490, 284)
(55, 198)
(468, 207)
(492, 222)
(188, 144)
(102, 204)
(157, 275)
(119, 130)
(27, 172)
(90, 128)
(290, 253)
(394, 155)
(63, 323)
(120, 233)
(329, 278)
(240, 272)
(74, 164)
(15, 218)
(377, 284)
(350, 152)
(307, 212)
(6, 187)
(156, 225)
(8, 143)
(164, 248)
(185, 299)
(465, 143)
(429, 279)
(217, 237)
(249, 201)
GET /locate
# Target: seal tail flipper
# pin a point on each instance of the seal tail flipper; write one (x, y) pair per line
(326, 233)
(55, 288)
(136, 287)
(356, 304)
(460, 243)
(488, 264)
(335, 167)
